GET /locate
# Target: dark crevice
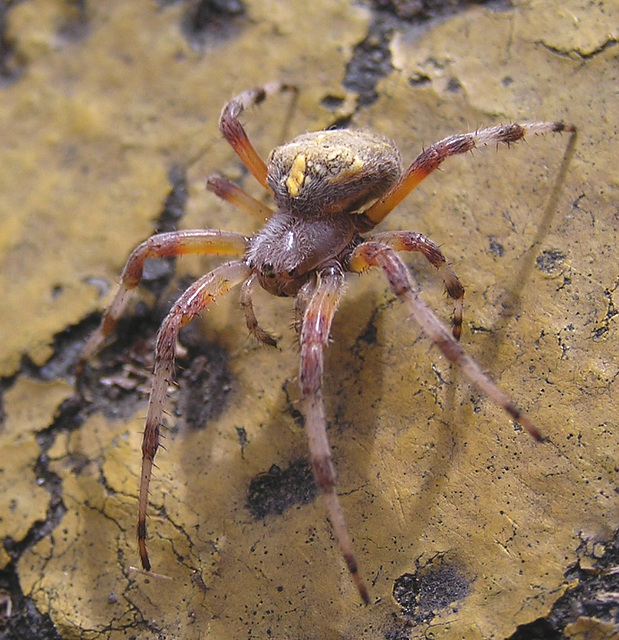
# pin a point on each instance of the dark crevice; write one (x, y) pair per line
(25, 622)
(371, 59)
(116, 384)
(11, 67)
(592, 596)
(574, 54)
(207, 22)
(159, 272)
(76, 27)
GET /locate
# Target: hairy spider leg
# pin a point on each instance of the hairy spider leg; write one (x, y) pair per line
(300, 304)
(233, 131)
(430, 159)
(250, 316)
(194, 300)
(173, 243)
(230, 192)
(411, 241)
(314, 338)
(403, 285)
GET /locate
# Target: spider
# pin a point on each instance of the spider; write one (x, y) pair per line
(330, 189)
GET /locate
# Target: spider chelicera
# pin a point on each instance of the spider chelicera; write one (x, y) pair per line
(331, 188)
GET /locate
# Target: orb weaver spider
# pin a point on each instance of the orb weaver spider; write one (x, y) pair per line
(330, 189)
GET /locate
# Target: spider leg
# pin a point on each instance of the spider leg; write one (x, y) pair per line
(410, 241)
(430, 159)
(195, 299)
(173, 243)
(250, 317)
(233, 131)
(403, 285)
(300, 304)
(314, 338)
(228, 191)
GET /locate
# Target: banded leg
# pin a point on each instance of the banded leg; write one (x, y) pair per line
(230, 192)
(430, 159)
(410, 241)
(250, 317)
(195, 299)
(314, 338)
(173, 243)
(374, 254)
(233, 131)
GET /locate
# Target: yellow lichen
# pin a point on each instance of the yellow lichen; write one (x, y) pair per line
(425, 464)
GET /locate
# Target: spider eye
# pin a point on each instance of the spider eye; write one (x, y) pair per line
(268, 271)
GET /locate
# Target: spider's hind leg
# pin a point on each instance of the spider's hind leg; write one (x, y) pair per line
(376, 254)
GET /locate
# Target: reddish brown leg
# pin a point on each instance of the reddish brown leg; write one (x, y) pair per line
(374, 254)
(250, 317)
(410, 241)
(314, 338)
(430, 159)
(174, 243)
(300, 304)
(235, 134)
(228, 191)
(196, 298)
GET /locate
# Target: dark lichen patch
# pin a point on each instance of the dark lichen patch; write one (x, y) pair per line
(207, 21)
(371, 58)
(204, 379)
(159, 272)
(24, 621)
(495, 247)
(551, 262)
(398, 633)
(423, 10)
(370, 62)
(602, 329)
(75, 26)
(175, 204)
(277, 490)
(432, 588)
(592, 596)
(66, 347)
(116, 382)
(11, 67)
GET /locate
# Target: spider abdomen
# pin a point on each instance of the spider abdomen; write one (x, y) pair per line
(330, 172)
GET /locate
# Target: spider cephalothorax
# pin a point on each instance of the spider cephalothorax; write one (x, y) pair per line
(330, 189)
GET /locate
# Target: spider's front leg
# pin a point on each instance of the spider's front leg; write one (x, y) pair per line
(194, 300)
(376, 254)
(233, 131)
(314, 338)
(431, 158)
(173, 243)
(411, 241)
